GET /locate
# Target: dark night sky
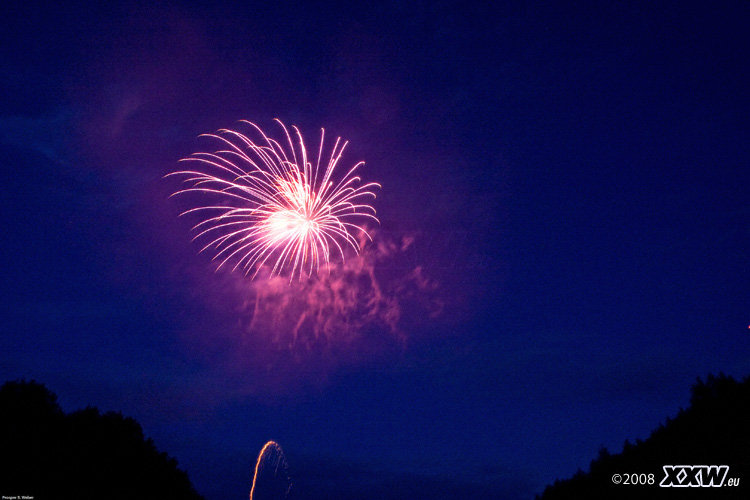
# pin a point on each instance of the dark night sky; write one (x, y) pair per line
(574, 176)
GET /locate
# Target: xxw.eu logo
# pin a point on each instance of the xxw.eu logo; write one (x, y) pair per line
(682, 476)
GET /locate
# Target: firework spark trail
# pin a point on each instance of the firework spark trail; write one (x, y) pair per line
(272, 454)
(278, 208)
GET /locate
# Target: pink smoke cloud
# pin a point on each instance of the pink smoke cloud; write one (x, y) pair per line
(340, 304)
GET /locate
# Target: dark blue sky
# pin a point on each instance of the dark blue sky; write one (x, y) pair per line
(574, 178)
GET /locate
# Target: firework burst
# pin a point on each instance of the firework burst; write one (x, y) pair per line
(272, 206)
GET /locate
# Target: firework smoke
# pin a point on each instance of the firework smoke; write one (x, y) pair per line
(359, 295)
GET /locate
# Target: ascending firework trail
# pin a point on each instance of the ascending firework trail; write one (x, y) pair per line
(271, 477)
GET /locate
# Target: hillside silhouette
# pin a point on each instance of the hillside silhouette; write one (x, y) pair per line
(48, 454)
(713, 430)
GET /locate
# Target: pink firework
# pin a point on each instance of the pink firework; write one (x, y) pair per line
(273, 206)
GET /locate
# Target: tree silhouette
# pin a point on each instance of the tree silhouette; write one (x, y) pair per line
(713, 430)
(82, 455)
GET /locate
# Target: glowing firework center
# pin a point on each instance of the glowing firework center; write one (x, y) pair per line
(276, 208)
